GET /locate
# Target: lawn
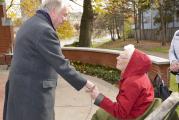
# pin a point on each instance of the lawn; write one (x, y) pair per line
(173, 86)
(144, 45)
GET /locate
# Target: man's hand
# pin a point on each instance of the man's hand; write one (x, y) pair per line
(92, 89)
(94, 93)
(89, 86)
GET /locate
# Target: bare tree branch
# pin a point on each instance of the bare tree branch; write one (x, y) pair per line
(76, 3)
(11, 4)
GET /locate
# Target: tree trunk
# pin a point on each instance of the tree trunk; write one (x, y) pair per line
(123, 21)
(163, 29)
(86, 27)
(110, 30)
(143, 30)
(140, 31)
(151, 17)
(135, 22)
(113, 29)
(161, 12)
(117, 27)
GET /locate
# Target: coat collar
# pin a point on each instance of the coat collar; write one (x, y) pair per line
(47, 16)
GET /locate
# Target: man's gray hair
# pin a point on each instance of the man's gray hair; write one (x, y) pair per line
(49, 5)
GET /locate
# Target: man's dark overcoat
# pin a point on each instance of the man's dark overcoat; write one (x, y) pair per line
(37, 61)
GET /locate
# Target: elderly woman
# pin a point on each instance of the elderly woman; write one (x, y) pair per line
(136, 91)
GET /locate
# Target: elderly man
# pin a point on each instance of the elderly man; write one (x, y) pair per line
(30, 90)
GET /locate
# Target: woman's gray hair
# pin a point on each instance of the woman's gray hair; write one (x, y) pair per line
(49, 5)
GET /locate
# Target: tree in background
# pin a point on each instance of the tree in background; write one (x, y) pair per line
(128, 32)
(112, 15)
(66, 30)
(11, 4)
(100, 26)
(86, 27)
(25, 9)
(164, 17)
(100, 19)
(113, 8)
(118, 14)
(143, 5)
(2, 0)
(29, 7)
(15, 19)
(12, 11)
(116, 17)
(90, 10)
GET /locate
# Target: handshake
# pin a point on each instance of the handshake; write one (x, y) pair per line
(92, 89)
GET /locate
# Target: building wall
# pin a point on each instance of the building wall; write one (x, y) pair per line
(154, 34)
(6, 31)
(151, 30)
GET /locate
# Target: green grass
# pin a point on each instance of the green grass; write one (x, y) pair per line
(158, 49)
(150, 46)
(97, 44)
(173, 86)
(2, 0)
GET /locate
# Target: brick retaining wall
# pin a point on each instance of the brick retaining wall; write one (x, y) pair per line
(108, 58)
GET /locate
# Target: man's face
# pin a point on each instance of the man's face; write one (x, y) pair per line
(59, 16)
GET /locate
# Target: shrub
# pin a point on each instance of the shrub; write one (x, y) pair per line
(106, 73)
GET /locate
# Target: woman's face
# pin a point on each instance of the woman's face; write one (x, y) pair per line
(122, 61)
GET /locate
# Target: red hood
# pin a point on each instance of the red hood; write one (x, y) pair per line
(139, 64)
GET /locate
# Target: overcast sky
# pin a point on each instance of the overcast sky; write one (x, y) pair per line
(74, 6)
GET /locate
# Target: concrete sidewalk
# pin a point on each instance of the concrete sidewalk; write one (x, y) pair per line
(162, 55)
(76, 105)
(3, 78)
(70, 104)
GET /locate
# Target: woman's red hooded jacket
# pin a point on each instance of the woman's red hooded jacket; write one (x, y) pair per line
(136, 91)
